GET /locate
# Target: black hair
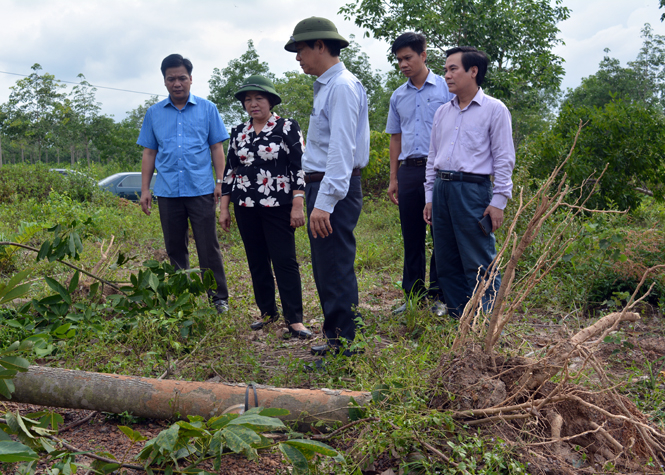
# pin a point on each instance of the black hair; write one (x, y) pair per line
(175, 61)
(272, 99)
(334, 46)
(416, 41)
(472, 57)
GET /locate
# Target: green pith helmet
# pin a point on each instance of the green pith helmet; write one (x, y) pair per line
(258, 83)
(315, 28)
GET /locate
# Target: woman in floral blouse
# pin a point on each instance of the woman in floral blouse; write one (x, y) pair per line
(265, 182)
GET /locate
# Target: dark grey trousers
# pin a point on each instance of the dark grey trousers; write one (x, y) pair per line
(176, 214)
(333, 260)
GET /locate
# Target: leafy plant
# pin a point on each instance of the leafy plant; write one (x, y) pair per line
(186, 444)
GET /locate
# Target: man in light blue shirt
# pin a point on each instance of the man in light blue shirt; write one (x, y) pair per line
(337, 148)
(412, 108)
(180, 135)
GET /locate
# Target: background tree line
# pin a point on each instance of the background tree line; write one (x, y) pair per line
(623, 106)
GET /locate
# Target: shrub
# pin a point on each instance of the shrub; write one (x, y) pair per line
(376, 175)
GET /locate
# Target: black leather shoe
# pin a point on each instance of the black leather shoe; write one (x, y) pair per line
(222, 306)
(320, 350)
(262, 323)
(302, 334)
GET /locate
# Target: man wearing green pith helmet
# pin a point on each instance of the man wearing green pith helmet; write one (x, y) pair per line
(337, 149)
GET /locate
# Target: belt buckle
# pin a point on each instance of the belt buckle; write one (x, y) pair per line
(446, 176)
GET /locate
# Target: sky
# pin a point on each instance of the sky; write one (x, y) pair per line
(121, 43)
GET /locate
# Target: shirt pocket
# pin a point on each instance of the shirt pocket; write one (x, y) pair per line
(196, 135)
(473, 139)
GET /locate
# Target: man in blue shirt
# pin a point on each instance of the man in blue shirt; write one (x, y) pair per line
(412, 108)
(180, 135)
(337, 148)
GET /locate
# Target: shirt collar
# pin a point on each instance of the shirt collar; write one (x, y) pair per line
(190, 100)
(430, 79)
(331, 73)
(479, 98)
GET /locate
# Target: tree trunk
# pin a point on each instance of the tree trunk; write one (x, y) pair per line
(167, 399)
(22, 155)
(57, 155)
(0, 152)
(73, 159)
(87, 152)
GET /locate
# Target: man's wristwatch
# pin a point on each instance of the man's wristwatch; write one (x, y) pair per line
(219, 182)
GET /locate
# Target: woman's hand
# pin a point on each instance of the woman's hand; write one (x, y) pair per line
(297, 213)
(224, 214)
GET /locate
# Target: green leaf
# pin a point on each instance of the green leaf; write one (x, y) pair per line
(52, 419)
(11, 348)
(23, 427)
(153, 281)
(355, 411)
(3, 434)
(15, 363)
(221, 421)
(239, 438)
(295, 457)
(133, 435)
(12, 451)
(258, 423)
(14, 293)
(7, 373)
(109, 467)
(380, 393)
(167, 439)
(56, 286)
(316, 446)
(74, 282)
(274, 412)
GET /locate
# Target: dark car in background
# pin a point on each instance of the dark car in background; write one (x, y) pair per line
(125, 185)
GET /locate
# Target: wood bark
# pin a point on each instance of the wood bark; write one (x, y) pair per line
(167, 399)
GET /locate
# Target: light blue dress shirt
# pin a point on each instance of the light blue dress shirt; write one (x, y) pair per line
(338, 134)
(182, 139)
(412, 111)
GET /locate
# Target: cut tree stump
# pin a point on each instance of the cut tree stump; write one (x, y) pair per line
(160, 399)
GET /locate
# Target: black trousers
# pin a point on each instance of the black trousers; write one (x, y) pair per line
(414, 232)
(333, 260)
(174, 214)
(269, 239)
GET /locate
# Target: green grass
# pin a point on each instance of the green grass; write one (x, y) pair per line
(399, 351)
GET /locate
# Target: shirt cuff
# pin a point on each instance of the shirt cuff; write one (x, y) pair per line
(499, 201)
(428, 196)
(325, 202)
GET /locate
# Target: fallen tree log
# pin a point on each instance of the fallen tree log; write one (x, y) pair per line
(167, 399)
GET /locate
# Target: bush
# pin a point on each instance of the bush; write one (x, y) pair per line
(376, 175)
(23, 181)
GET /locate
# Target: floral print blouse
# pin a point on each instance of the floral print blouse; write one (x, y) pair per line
(263, 169)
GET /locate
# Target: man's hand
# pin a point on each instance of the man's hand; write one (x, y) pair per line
(393, 192)
(297, 213)
(319, 223)
(218, 193)
(225, 218)
(497, 216)
(146, 201)
(427, 213)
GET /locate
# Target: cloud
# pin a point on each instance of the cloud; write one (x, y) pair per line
(121, 43)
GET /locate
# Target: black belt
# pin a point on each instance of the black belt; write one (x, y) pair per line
(461, 176)
(415, 162)
(318, 176)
